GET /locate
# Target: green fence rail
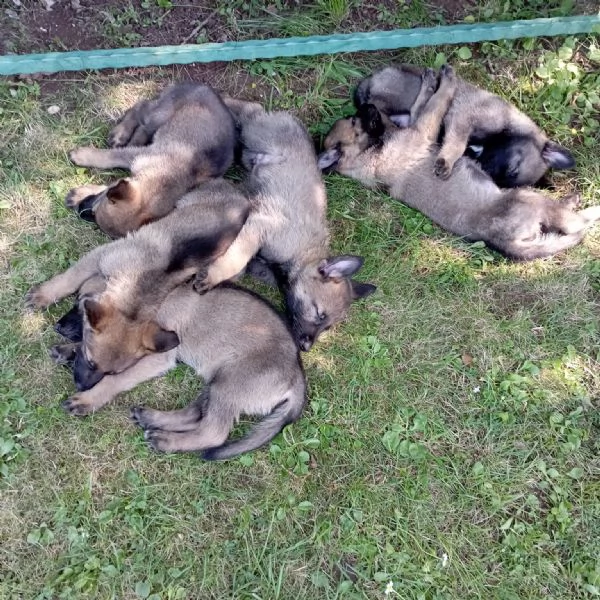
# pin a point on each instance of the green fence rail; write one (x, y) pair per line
(51, 62)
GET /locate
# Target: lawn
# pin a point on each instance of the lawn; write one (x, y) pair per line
(449, 449)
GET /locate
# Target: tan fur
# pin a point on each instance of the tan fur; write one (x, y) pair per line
(510, 147)
(521, 223)
(190, 136)
(287, 224)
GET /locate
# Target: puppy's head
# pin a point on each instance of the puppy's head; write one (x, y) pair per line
(351, 136)
(515, 161)
(121, 209)
(114, 341)
(320, 296)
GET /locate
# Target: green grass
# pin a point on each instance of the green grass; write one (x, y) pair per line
(451, 441)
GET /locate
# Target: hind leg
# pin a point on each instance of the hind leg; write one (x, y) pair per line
(228, 265)
(429, 122)
(185, 419)
(567, 222)
(429, 84)
(212, 430)
(456, 139)
(121, 134)
(112, 158)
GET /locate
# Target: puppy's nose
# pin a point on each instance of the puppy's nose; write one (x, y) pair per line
(305, 342)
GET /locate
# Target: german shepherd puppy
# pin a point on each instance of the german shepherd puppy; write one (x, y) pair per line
(287, 224)
(521, 223)
(159, 256)
(191, 137)
(507, 144)
(234, 340)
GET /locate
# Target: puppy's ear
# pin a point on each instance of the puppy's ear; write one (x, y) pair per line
(120, 191)
(338, 267)
(329, 158)
(96, 313)
(362, 290)
(557, 157)
(157, 339)
(370, 120)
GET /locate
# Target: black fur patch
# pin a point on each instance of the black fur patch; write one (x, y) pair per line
(193, 250)
(84, 377)
(370, 120)
(85, 208)
(70, 325)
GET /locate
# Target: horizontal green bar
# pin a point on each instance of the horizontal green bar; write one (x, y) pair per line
(79, 60)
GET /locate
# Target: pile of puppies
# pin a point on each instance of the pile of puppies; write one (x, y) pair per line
(160, 295)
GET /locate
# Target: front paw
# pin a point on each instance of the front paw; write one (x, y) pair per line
(78, 195)
(79, 405)
(36, 299)
(63, 354)
(119, 136)
(201, 283)
(429, 79)
(83, 156)
(442, 169)
(136, 414)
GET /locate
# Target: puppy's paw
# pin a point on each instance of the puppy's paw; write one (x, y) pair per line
(83, 156)
(442, 169)
(201, 283)
(157, 440)
(78, 195)
(447, 72)
(79, 405)
(118, 137)
(63, 354)
(429, 78)
(37, 299)
(136, 414)
(572, 201)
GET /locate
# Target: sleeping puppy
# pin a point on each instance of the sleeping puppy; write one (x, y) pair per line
(507, 144)
(521, 223)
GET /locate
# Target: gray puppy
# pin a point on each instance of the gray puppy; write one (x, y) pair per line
(234, 340)
(191, 138)
(521, 223)
(507, 144)
(287, 224)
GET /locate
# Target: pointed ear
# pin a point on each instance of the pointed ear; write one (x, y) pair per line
(370, 120)
(95, 313)
(339, 267)
(120, 191)
(362, 290)
(557, 157)
(157, 339)
(401, 120)
(329, 158)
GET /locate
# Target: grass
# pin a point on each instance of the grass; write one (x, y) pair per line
(451, 441)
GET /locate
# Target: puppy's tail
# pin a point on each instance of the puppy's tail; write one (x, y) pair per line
(286, 412)
(568, 230)
(547, 245)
